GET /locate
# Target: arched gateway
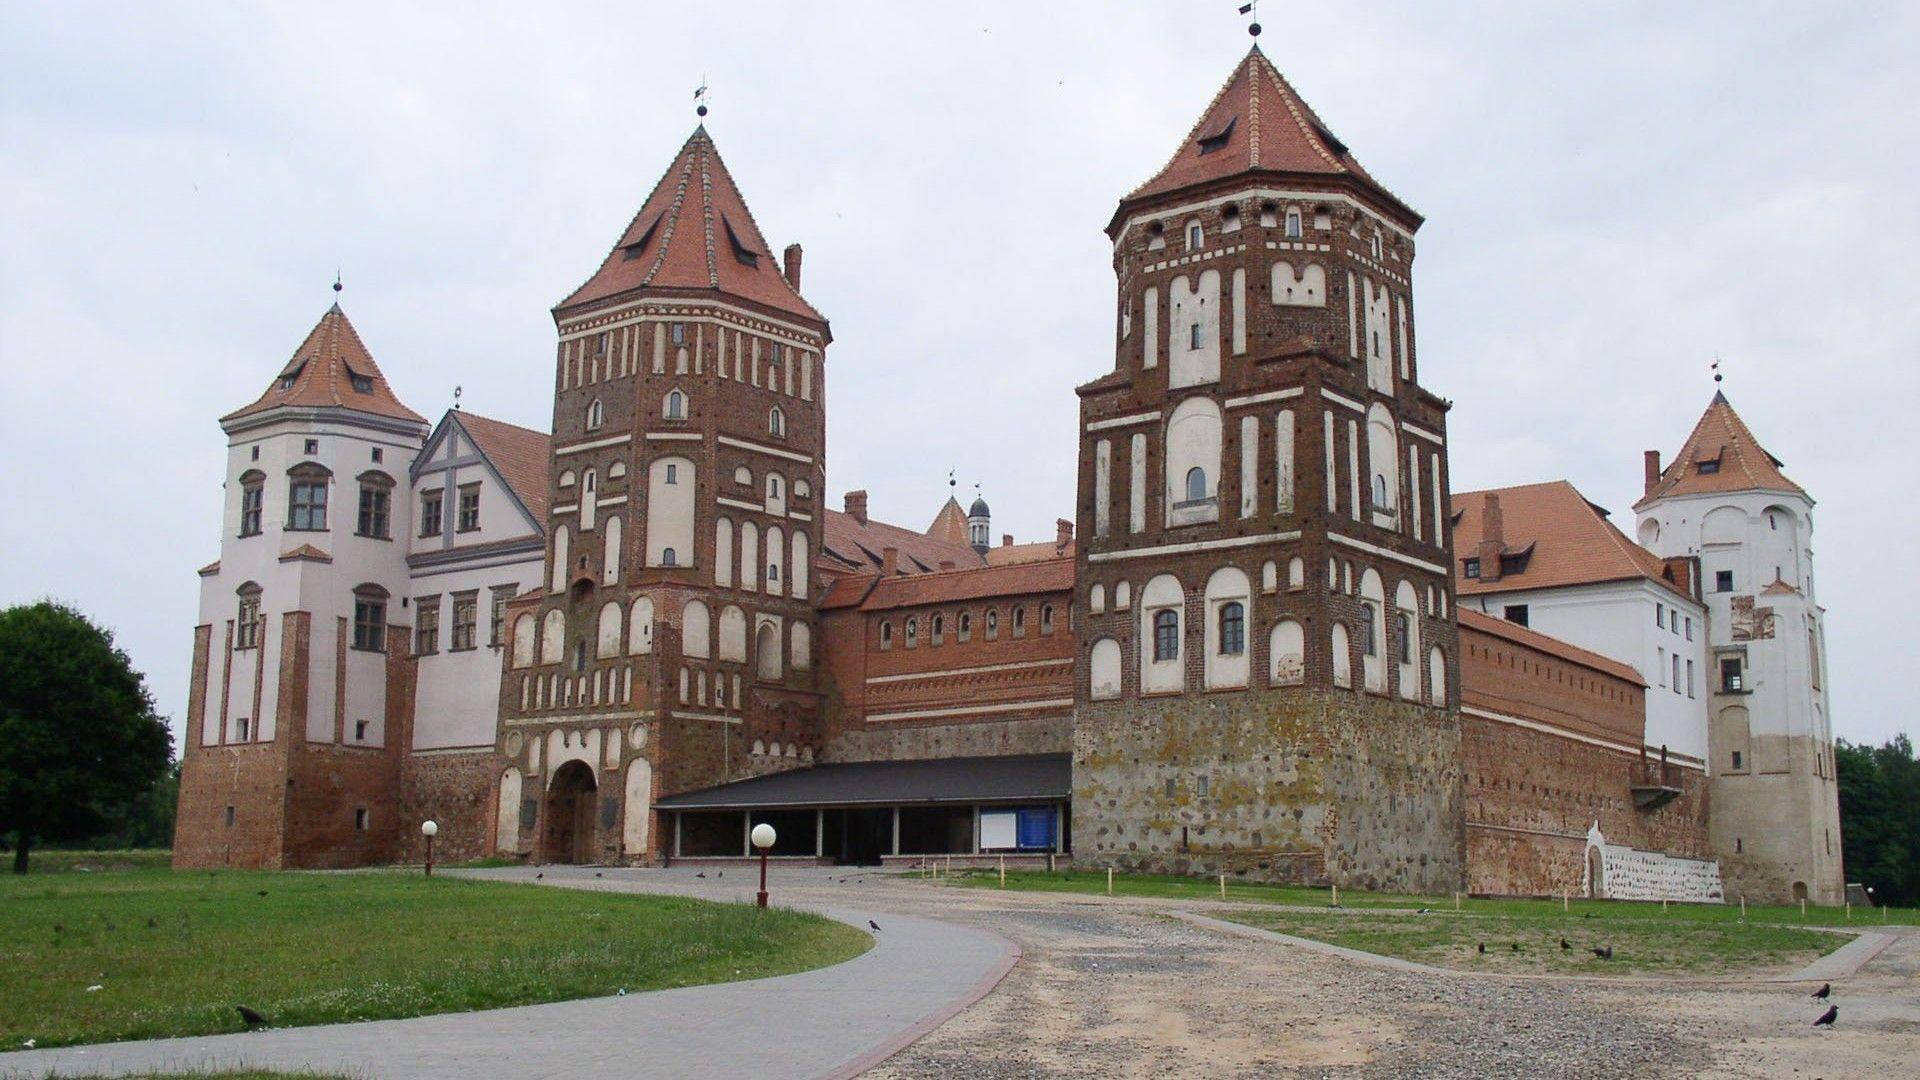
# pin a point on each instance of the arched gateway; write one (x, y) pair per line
(566, 833)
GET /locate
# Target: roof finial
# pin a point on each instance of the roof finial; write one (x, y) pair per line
(951, 482)
(1716, 369)
(456, 398)
(700, 98)
(336, 281)
(1253, 28)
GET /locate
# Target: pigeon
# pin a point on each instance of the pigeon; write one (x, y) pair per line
(873, 924)
(843, 881)
(1604, 953)
(263, 892)
(597, 873)
(1483, 948)
(539, 875)
(1825, 989)
(719, 873)
(251, 1018)
(1827, 1018)
(701, 873)
(1516, 946)
(1564, 945)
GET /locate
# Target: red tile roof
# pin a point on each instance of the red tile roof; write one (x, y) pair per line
(1534, 639)
(1741, 463)
(305, 551)
(1571, 539)
(320, 375)
(695, 232)
(1009, 554)
(848, 546)
(1259, 123)
(522, 456)
(951, 586)
(950, 524)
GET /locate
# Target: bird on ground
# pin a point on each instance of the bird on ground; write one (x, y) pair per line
(701, 873)
(1825, 989)
(843, 881)
(1588, 915)
(873, 924)
(1516, 946)
(1483, 948)
(597, 873)
(1564, 945)
(151, 922)
(1827, 1018)
(1604, 953)
(263, 892)
(539, 875)
(719, 873)
(249, 1017)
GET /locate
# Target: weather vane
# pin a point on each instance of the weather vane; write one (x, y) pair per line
(700, 98)
(1253, 28)
(336, 281)
(1716, 369)
(456, 398)
(951, 482)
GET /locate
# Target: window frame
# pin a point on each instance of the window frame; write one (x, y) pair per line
(1232, 625)
(469, 600)
(426, 625)
(253, 501)
(308, 513)
(373, 517)
(467, 517)
(433, 501)
(1166, 635)
(246, 619)
(370, 618)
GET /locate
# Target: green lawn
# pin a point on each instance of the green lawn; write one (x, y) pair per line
(40, 861)
(241, 1074)
(144, 954)
(1645, 937)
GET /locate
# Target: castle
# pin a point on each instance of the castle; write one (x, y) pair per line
(1272, 642)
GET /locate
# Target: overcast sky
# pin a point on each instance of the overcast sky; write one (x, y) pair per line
(1614, 194)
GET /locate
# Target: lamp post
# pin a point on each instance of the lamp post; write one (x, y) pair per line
(762, 837)
(427, 829)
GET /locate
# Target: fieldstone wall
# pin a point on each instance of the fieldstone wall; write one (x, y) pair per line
(1282, 785)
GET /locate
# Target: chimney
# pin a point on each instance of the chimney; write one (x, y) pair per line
(1062, 532)
(1652, 458)
(889, 560)
(790, 262)
(1006, 539)
(1493, 539)
(857, 506)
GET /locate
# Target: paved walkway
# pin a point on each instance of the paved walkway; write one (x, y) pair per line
(833, 1022)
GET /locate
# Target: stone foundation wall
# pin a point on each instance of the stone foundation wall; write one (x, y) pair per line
(974, 738)
(1302, 786)
(248, 777)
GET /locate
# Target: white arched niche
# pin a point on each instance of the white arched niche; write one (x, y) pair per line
(1103, 670)
(1163, 619)
(1228, 604)
(1193, 462)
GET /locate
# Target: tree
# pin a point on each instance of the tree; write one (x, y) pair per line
(1880, 817)
(79, 741)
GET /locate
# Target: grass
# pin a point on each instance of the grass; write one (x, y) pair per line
(1679, 938)
(145, 954)
(59, 861)
(236, 1074)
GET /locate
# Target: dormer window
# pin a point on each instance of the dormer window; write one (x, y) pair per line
(291, 376)
(1230, 218)
(1708, 468)
(362, 384)
(1269, 215)
(1219, 139)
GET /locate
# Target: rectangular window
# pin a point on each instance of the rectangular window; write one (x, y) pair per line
(1689, 678)
(469, 507)
(359, 731)
(360, 819)
(1676, 673)
(426, 629)
(246, 623)
(431, 504)
(307, 505)
(1660, 616)
(251, 498)
(1368, 644)
(466, 617)
(498, 622)
(373, 512)
(1689, 628)
(313, 446)
(1403, 626)
(1738, 759)
(1732, 680)
(1517, 614)
(370, 623)
(1471, 568)
(1193, 336)
(241, 730)
(229, 817)
(1723, 581)
(1166, 635)
(1661, 665)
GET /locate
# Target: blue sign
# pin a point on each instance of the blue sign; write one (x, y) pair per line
(1036, 828)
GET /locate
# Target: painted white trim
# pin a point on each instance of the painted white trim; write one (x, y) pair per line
(1422, 433)
(876, 679)
(727, 440)
(564, 508)
(1124, 421)
(1339, 400)
(665, 436)
(682, 311)
(1272, 193)
(444, 751)
(1196, 545)
(758, 508)
(596, 444)
(685, 715)
(797, 516)
(1271, 395)
(617, 500)
(967, 710)
(1386, 553)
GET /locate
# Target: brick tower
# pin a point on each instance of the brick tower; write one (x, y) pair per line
(1269, 666)
(676, 624)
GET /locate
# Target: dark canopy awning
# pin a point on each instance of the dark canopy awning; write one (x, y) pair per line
(1018, 778)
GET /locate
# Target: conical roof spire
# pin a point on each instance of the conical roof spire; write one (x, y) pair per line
(331, 369)
(1259, 123)
(694, 232)
(1721, 456)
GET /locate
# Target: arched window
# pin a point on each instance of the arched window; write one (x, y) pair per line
(1046, 618)
(939, 629)
(776, 421)
(1233, 629)
(993, 624)
(913, 632)
(1019, 621)
(595, 415)
(676, 406)
(1166, 636)
(966, 626)
(1196, 484)
(1403, 632)
(370, 618)
(669, 557)
(773, 485)
(886, 635)
(307, 497)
